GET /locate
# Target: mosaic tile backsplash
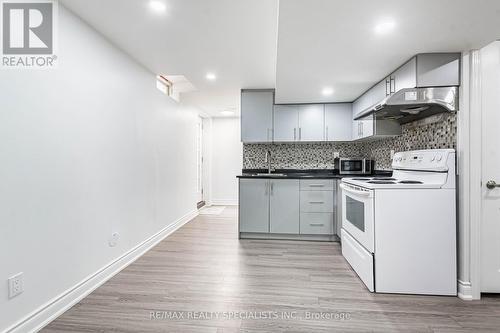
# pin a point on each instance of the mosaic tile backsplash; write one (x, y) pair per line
(431, 133)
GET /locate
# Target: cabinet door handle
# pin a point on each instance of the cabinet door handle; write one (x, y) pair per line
(300, 133)
(317, 224)
(267, 187)
(272, 188)
(317, 202)
(393, 85)
(295, 134)
(317, 185)
(387, 87)
(268, 134)
(327, 133)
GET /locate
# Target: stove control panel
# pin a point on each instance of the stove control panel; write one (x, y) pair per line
(425, 160)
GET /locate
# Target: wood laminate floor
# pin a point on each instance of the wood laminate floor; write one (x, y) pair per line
(203, 270)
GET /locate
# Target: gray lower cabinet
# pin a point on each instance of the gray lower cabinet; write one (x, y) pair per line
(317, 207)
(284, 206)
(316, 201)
(316, 223)
(281, 207)
(338, 213)
(254, 205)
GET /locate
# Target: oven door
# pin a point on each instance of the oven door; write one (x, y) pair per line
(348, 166)
(358, 214)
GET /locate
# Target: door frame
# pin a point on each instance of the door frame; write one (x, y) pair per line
(470, 182)
(470, 154)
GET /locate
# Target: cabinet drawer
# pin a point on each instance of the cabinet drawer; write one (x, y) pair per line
(316, 185)
(316, 223)
(316, 202)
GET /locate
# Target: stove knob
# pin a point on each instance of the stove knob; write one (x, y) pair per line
(433, 158)
(439, 158)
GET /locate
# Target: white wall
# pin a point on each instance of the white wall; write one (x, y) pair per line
(86, 149)
(226, 160)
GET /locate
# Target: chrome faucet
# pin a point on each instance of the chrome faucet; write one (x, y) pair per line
(268, 161)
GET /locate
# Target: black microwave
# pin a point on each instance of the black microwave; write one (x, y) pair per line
(356, 166)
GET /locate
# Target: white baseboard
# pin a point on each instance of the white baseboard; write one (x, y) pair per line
(224, 202)
(54, 308)
(465, 291)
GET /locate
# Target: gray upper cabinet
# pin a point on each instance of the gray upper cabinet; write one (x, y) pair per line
(362, 103)
(299, 123)
(311, 122)
(257, 115)
(338, 119)
(286, 123)
(438, 69)
(363, 128)
(380, 91)
(254, 205)
(405, 76)
(285, 206)
(423, 70)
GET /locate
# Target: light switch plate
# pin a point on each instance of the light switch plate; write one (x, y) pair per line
(336, 154)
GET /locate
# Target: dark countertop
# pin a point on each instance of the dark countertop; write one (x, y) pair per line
(304, 174)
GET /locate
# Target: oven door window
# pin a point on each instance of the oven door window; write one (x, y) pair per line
(355, 213)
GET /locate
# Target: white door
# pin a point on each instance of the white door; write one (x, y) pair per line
(490, 228)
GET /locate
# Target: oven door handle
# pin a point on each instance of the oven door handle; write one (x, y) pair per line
(361, 193)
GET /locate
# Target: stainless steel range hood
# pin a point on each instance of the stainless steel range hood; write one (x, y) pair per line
(412, 104)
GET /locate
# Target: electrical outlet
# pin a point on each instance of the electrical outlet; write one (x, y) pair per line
(16, 285)
(113, 240)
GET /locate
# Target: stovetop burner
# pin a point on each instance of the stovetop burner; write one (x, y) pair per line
(410, 182)
(380, 182)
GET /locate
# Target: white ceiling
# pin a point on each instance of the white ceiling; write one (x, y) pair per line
(321, 43)
(236, 39)
(333, 42)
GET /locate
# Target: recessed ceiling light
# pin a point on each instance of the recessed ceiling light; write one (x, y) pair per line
(385, 27)
(327, 91)
(227, 113)
(211, 76)
(157, 5)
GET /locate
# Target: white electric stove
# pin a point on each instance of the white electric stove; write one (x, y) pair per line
(399, 233)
